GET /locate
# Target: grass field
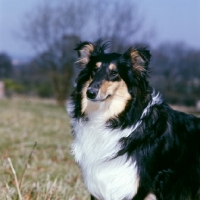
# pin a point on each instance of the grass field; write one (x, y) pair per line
(44, 171)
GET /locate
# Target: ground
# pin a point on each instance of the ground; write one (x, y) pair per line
(45, 170)
(35, 137)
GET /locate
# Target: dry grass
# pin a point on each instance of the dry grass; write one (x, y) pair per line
(44, 171)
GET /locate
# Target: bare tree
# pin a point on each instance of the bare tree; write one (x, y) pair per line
(52, 34)
(117, 21)
(53, 28)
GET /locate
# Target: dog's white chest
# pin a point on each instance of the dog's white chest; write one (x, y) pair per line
(106, 178)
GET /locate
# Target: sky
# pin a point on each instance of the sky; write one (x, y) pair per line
(170, 20)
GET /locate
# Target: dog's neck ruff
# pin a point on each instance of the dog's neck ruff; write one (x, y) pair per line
(95, 148)
(155, 100)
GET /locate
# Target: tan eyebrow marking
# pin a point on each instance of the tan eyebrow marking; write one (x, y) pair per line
(112, 66)
(98, 64)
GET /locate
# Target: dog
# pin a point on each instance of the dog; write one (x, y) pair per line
(129, 144)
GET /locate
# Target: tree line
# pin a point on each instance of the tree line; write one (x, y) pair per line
(174, 70)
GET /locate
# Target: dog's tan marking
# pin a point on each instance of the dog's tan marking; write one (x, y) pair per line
(83, 61)
(84, 101)
(85, 53)
(108, 87)
(137, 61)
(88, 106)
(98, 64)
(117, 101)
(112, 67)
(88, 48)
(150, 196)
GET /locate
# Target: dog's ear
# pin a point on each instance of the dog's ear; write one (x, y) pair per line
(140, 58)
(84, 50)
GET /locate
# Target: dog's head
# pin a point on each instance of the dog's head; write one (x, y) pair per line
(106, 76)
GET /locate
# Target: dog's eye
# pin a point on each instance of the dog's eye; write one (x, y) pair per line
(113, 73)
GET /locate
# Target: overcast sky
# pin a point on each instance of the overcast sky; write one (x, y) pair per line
(171, 20)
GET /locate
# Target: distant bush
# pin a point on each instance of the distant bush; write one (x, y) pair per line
(41, 89)
(12, 86)
(44, 90)
(186, 96)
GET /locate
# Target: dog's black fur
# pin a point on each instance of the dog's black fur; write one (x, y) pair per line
(166, 145)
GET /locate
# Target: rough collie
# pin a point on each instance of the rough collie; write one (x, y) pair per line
(128, 142)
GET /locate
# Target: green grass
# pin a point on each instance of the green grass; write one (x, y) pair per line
(50, 171)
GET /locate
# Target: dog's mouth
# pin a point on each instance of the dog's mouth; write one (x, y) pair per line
(98, 99)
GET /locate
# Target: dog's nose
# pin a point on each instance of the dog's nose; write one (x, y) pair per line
(92, 93)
